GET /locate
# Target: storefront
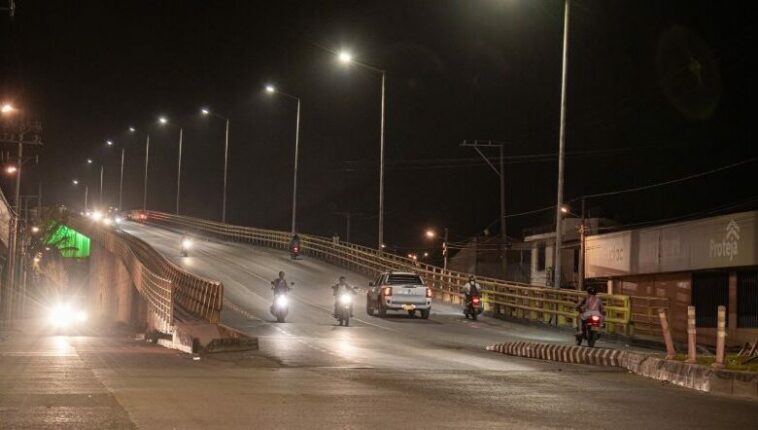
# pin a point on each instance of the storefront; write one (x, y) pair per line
(706, 263)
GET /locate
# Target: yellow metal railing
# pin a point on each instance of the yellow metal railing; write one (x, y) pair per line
(503, 298)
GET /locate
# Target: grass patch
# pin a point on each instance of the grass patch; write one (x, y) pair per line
(731, 362)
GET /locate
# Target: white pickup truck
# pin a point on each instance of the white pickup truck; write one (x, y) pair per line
(398, 291)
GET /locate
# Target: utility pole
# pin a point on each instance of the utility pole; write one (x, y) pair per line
(444, 250)
(501, 174)
(348, 219)
(561, 153)
(582, 245)
(147, 159)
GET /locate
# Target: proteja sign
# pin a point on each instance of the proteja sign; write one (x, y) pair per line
(729, 245)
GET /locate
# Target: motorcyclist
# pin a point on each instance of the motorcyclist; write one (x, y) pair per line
(295, 242)
(590, 305)
(183, 241)
(279, 285)
(470, 289)
(338, 289)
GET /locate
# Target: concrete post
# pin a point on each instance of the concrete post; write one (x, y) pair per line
(691, 335)
(670, 351)
(720, 337)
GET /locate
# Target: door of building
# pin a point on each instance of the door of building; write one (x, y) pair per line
(709, 291)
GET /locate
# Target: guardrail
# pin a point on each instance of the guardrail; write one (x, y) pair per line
(171, 293)
(502, 298)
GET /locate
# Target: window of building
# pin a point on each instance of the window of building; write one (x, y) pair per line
(747, 299)
(541, 258)
(709, 291)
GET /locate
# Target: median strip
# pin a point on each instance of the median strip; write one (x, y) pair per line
(694, 376)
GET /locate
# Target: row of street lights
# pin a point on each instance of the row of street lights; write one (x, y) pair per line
(344, 58)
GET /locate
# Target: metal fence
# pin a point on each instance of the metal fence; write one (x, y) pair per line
(510, 299)
(170, 292)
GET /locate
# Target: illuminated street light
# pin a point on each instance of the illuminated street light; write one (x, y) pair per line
(271, 89)
(35, 229)
(345, 57)
(89, 161)
(11, 170)
(75, 182)
(431, 234)
(207, 112)
(163, 120)
(109, 142)
(86, 194)
(564, 209)
(132, 129)
(7, 108)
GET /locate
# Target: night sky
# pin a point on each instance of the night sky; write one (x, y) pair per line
(639, 112)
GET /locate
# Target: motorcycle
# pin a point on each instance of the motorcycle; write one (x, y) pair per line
(344, 305)
(590, 330)
(473, 307)
(185, 247)
(280, 308)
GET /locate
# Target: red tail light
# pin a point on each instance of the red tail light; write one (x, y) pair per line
(429, 293)
(387, 291)
(296, 249)
(595, 318)
(475, 300)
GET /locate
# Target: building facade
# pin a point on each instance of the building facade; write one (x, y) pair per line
(706, 263)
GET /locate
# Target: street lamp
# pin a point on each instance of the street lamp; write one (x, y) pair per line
(273, 90)
(7, 108)
(100, 200)
(147, 159)
(347, 58)
(86, 193)
(121, 176)
(207, 112)
(431, 234)
(163, 121)
(561, 150)
(11, 170)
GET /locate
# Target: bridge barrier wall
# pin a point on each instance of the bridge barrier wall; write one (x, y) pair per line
(507, 299)
(171, 293)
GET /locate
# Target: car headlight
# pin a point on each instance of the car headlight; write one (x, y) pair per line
(61, 316)
(186, 244)
(118, 220)
(281, 301)
(345, 299)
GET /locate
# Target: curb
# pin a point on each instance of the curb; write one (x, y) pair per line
(693, 376)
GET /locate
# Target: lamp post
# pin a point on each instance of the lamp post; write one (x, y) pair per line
(561, 150)
(346, 58)
(109, 143)
(86, 193)
(431, 234)
(100, 199)
(207, 112)
(273, 90)
(163, 121)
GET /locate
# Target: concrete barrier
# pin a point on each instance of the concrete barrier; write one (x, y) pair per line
(694, 376)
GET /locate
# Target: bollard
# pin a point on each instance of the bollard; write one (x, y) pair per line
(670, 351)
(720, 337)
(691, 335)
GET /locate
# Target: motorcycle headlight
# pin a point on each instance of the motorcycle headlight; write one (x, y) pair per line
(345, 299)
(281, 301)
(186, 244)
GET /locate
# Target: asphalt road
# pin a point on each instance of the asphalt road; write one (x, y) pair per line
(432, 373)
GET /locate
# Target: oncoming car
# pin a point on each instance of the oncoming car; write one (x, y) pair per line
(67, 315)
(399, 291)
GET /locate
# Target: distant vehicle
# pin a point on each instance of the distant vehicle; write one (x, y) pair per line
(399, 291)
(68, 314)
(185, 246)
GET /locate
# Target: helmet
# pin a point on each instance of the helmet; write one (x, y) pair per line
(472, 278)
(281, 274)
(342, 279)
(591, 290)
